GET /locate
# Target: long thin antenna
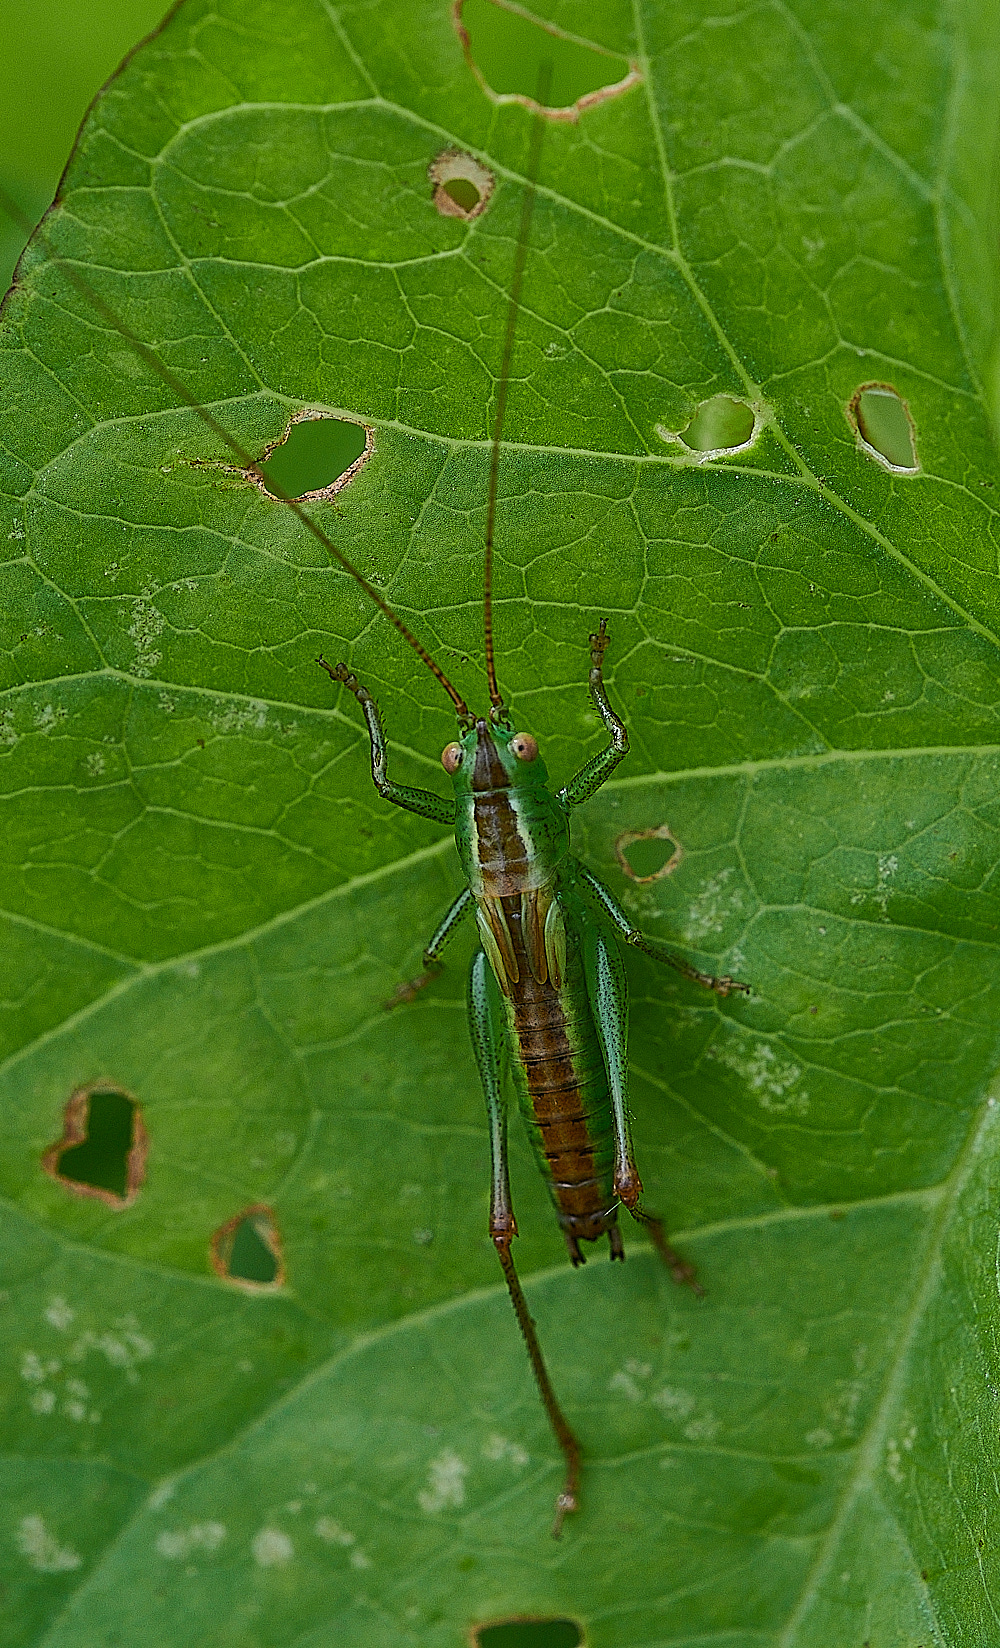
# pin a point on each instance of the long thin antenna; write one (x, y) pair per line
(520, 259)
(246, 459)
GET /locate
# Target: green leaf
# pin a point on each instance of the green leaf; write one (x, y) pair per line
(207, 905)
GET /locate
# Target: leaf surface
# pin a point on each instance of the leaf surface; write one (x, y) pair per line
(206, 905)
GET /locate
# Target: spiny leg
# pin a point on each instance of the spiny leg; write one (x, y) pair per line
(681, 1270)
(432, 965)
(599, 768)
(422, 802)
(609, 906)
(608, 992)
(486, 1024)
(568, 1499)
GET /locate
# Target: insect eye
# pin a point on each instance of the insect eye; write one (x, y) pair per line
(451, 757)
(524, 746)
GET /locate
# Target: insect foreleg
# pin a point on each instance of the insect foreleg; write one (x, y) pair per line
(608, 991)
(598, 894)
(486, 1023)
(432, 964)
(599, 768)
(423, 802)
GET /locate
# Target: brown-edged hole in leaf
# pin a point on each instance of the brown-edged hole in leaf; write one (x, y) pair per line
(884, 427)
(104, 1146)
(648, 855)
(528, 1633)
(721, 424)
(505, 47)
(317, 456)
(462, 185)
(247, 1250)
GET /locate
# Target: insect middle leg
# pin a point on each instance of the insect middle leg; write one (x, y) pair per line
(626, 930)
(486, 1025)
(462, 905)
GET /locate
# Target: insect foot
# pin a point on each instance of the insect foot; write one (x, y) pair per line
(724, 985)
(682, 1272)
(598, 647)
(341, 673)
(405, 993)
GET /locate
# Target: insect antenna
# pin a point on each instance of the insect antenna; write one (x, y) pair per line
(246, 460)
(513, 307)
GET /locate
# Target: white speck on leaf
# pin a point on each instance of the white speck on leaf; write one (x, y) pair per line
(43, 1402)
(35, 1371)
(123, 1348)
(887, 865)
(770, 1078)
(500, 1448)
(446, 1483)
(703, 1429)
(625, 1385)
(145, 629)
(712, 908)
(43, 1550)
(58, 1313)
(674, 1404)
(248, 717)
(328, 1529)
(272, 1548)
(177, 1543)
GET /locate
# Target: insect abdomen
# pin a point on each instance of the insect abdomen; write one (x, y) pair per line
(563, 1092)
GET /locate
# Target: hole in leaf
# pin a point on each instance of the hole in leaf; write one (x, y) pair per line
(529, 1633)
(885, 428)
(104, 1146)
(462, 194)
(316, 458)
(247, 1250)
(720, 424)
(505, 47)
(648, 855)
(462, 187)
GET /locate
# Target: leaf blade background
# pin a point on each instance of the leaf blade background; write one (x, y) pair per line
(220, 958)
